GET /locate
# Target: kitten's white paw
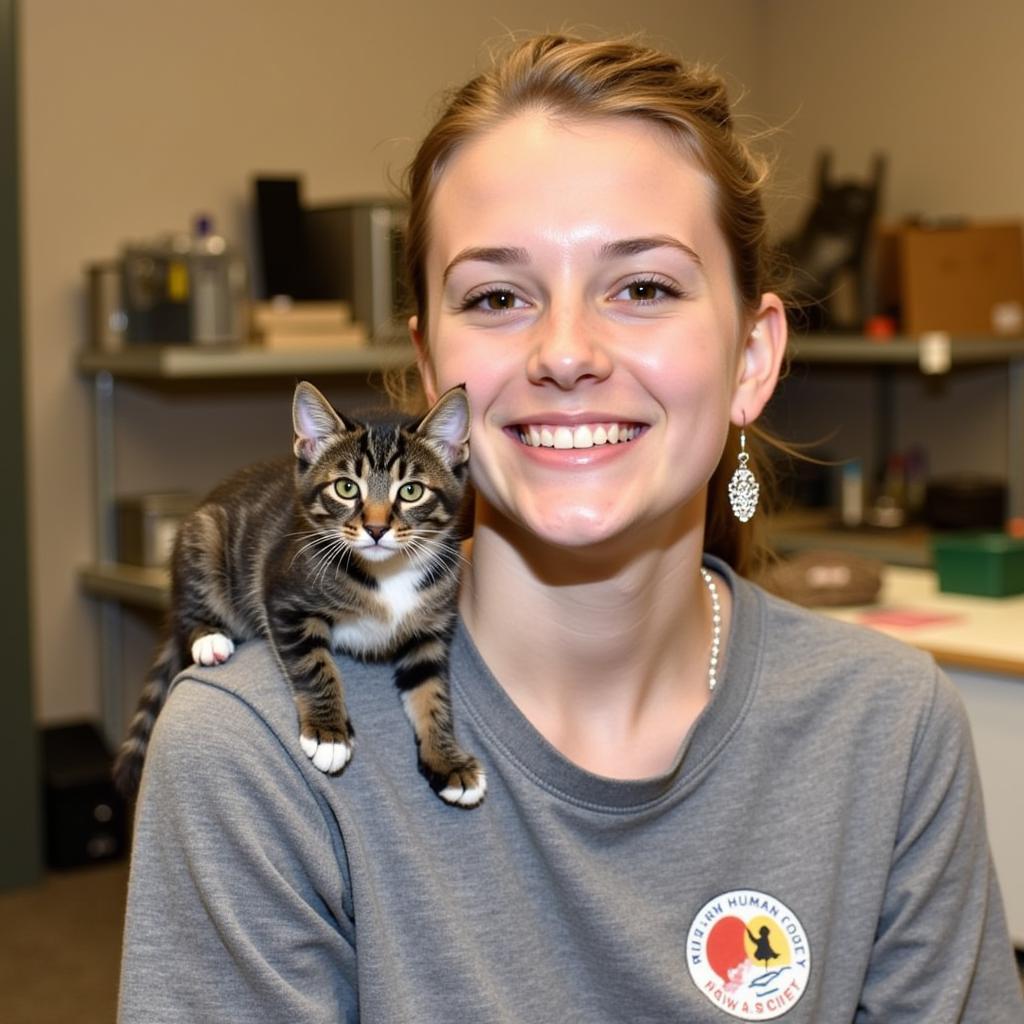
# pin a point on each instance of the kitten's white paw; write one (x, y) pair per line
(328, 757)
(468, 796)
(212, 649)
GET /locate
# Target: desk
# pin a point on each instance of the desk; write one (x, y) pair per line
(979, 641)
(978, 633)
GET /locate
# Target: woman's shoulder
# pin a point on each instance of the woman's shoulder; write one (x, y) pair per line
(815, 651)
(256, 688)
(859, 644)
(226, 722)
(243, 711)
(246, 691)
(845, 683)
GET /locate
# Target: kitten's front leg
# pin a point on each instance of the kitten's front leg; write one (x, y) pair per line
(212, 649)
(303, 644)
(421, 675)
(206, 638)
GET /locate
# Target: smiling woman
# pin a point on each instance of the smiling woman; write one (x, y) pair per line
(618, 293)
(687, 106)
(698, 795)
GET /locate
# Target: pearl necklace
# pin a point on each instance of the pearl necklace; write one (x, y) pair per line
(716, 626)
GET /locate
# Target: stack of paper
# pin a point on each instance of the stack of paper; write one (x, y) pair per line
(284, 325)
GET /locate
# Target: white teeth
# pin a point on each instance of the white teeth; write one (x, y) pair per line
(586, 435)
(563, 437)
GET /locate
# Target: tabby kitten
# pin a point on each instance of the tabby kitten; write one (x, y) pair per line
(351, 546)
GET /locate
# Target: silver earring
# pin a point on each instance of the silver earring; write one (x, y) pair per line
(743, 487)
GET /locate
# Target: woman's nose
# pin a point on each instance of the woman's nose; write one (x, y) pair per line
(568, 350)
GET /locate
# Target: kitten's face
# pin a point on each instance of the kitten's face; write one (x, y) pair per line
(379, 489)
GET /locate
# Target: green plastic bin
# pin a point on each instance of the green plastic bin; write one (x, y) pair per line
(983, 564)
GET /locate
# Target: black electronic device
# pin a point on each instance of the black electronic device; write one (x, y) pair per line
(281, 231)
(85, 815)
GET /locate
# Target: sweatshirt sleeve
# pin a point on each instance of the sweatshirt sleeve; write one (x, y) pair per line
(237, 904)
(942, 952)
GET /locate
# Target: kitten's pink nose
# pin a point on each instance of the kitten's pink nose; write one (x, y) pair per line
(376, 532)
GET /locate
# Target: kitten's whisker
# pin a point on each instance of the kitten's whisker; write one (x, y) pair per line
(324, 555)
(314, 544)
(435, 562)
(316, 532)
(327, 558)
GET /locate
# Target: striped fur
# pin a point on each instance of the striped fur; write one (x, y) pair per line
(352, 545)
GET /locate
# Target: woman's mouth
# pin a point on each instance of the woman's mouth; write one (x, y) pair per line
(580, 435)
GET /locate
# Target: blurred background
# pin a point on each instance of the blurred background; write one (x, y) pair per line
(135, 133)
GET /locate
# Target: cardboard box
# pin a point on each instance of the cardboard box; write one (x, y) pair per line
(967, 280)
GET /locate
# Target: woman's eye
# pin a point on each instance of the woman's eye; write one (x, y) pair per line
(411, 491)
(494, 300)
(347, 489)
(645, 291)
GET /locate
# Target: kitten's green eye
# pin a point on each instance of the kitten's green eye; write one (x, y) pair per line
(347, 489)
(411, 492)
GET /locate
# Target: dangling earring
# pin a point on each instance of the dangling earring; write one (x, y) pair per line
(743, 487)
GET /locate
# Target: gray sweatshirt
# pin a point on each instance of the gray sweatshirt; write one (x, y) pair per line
(817, 853)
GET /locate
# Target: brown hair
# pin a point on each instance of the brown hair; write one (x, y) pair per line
(577, 79)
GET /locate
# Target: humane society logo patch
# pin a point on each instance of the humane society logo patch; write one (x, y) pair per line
(748, 953)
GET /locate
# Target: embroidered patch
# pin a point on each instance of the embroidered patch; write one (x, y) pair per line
(748, 953)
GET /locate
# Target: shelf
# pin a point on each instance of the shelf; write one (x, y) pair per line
(853, 349)
(194, 362)
(793, 533)
(128, 584)
(197, 363)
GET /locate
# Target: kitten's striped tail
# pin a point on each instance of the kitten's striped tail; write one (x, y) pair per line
(128, 764)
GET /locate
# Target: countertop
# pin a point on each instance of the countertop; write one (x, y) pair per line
(982, 633)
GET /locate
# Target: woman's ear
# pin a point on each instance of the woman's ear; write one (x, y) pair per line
(423, 363)
(760, 360)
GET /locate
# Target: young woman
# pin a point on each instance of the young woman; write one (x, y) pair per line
(702, 803)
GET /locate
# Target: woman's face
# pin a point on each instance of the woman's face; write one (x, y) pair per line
(580, 287)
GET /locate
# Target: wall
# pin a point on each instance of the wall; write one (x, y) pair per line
(138, 115)
(937, 88)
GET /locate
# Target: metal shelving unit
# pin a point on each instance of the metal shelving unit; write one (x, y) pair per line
(165, 367)
(932, 355)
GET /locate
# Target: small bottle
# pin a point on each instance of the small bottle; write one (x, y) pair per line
(852, 494)
(215, 293)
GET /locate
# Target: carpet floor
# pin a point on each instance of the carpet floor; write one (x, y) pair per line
(60, 947)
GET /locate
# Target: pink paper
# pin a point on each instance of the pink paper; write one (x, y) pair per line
(906, 618)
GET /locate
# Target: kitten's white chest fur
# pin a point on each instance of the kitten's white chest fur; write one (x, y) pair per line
(372, 634)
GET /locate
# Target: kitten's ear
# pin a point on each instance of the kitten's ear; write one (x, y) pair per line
(315, 421)
(446, 426)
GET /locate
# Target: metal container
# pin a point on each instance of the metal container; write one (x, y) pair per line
(147, 525)
(185, 290)
(107, 320)
(354, 253)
